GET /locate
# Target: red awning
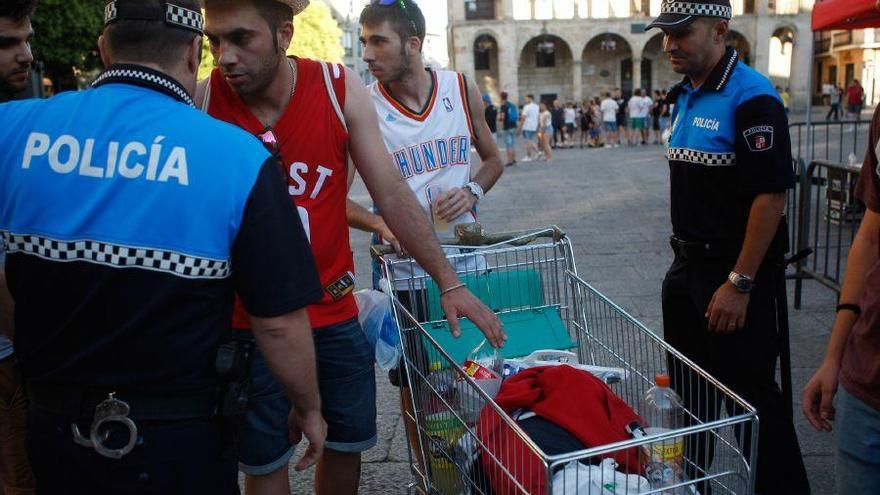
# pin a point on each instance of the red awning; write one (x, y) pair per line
(845, 14)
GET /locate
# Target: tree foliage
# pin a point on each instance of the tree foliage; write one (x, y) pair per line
(66, 38)
(316, 35)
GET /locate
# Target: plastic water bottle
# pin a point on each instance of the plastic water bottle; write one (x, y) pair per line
(663, 412)
(853, 161)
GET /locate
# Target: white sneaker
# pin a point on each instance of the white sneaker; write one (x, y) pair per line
(607, 145)
(616, 145)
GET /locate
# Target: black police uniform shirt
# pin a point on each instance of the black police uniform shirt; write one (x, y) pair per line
(729, 142)
(130, 218)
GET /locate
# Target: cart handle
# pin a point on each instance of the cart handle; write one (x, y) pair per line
(469, 235)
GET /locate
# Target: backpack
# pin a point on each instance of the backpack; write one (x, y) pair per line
(512, 114)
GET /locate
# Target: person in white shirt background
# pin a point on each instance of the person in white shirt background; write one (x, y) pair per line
(639, 107)
(529, 127)
(609, 120)
(570, 119)
(645, 104)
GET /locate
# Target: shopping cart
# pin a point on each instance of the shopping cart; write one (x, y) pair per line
(531, 282)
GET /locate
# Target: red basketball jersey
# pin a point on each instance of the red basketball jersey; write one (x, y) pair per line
(314, 152)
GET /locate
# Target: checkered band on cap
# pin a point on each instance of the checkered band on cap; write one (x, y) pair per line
(109, 12)
(701, 157)
(117, 256)
(696, 9)
(186, 18)
(172, 14)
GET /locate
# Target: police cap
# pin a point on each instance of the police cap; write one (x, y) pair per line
(677, 14)
(169, 13)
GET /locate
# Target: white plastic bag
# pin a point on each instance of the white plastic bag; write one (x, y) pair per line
(377, 320)
(604, 479)
(553, 357)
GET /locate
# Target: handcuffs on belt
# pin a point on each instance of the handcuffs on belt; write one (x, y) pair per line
(110, 410)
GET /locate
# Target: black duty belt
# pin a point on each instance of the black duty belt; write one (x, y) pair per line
(81, 403)
(703, 249)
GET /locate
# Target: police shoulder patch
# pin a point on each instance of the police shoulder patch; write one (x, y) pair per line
(759, 138)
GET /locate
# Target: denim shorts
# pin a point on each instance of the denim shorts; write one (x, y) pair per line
(857, 439)
(507, 137)
(530, 134)
(347, 383)
(610, 126)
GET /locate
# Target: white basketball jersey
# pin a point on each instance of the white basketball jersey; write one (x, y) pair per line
(433, 147)
(430, 148)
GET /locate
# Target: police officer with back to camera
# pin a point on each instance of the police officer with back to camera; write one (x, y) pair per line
(730, 165)
(128, 229)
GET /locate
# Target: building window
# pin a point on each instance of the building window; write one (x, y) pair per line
(481, 60)
(347, 42)
(484, 47)
(545, 54)
(479, 9)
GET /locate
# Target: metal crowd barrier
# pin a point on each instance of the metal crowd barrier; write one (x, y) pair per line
(828, 217)
(822, 210)
(829, 140)
(792, 209)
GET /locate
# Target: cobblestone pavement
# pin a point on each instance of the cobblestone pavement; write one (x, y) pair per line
(614, 204)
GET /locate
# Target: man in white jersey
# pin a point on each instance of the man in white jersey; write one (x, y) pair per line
(428, 119)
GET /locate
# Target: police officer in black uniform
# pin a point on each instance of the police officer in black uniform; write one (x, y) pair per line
(130, 219)
(730, 165)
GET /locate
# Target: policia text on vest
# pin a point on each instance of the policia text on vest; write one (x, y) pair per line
(155, 161)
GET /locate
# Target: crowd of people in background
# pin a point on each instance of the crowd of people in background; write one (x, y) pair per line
(606, 121)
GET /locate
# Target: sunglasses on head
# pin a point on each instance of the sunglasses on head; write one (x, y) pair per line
(402, 5)
(270, 141)
(267, 137)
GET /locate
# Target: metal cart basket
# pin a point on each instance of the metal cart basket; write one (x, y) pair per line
(531, 282)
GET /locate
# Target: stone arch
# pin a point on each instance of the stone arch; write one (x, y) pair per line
(486, 69)
(659, 71)
(742, 45)
(606, 64)
(545, 66)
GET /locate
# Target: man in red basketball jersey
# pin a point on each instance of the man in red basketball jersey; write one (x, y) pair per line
(313, 116)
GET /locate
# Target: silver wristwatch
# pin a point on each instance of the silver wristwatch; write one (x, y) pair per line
(475, 189)
(742, 283)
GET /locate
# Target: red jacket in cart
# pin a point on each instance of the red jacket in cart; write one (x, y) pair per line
(572, 399)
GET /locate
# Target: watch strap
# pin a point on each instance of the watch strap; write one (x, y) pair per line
(475, 189)
(737, 279)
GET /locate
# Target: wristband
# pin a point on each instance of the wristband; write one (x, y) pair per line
(849, 307)
(450, 289)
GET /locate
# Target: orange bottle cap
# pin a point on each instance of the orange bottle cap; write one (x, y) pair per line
(661, 379)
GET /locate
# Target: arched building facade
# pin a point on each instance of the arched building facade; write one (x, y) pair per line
(577, 49)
